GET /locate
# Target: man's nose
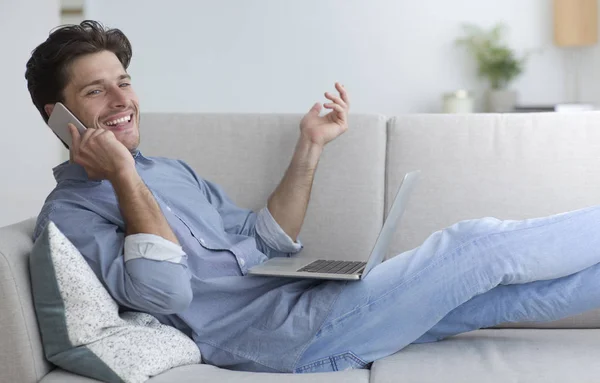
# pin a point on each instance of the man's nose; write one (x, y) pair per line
(118, 98)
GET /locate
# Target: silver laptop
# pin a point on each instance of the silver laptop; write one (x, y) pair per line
(306, 267)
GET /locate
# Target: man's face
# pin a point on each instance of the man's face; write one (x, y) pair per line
(100, 94)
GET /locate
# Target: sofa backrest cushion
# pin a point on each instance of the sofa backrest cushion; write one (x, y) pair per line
(248, 154)
(508, 166)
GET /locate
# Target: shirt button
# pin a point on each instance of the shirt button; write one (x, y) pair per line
(202, 242)
(168, 208)
(242, 262)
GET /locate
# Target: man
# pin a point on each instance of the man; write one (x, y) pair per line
(165, 241)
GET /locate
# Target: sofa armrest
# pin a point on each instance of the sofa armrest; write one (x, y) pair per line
(21, 354)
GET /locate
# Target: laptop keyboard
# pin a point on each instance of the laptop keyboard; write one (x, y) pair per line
(333, 267)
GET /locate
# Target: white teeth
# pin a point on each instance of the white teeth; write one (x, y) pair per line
(118, 121)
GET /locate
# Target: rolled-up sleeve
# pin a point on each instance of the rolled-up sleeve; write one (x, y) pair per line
(151, 246)
(142, 272)
(274, 236)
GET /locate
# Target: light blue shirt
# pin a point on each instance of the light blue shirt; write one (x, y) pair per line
(239, 322)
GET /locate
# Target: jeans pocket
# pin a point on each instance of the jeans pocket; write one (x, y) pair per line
(339, 362)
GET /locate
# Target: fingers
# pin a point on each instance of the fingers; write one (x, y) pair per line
(75, 138)
(336, 99)
(316, 109)
(343, 94)
(342, 100)
(340, 111)
(88, 135)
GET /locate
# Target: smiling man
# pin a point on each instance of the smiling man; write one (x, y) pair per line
(160, 238)
(165, 241)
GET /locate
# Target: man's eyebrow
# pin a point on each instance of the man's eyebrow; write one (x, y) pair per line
(97, 82)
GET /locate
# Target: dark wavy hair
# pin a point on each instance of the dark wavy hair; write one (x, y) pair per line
(47, 71)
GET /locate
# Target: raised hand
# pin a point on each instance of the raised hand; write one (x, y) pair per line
(322, 129)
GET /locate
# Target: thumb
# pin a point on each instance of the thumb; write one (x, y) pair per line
(316, 109)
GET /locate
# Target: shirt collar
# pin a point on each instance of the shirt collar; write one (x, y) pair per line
(73, 171)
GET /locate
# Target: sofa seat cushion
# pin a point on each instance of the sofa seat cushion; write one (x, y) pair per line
(201, 373)
(498, 355)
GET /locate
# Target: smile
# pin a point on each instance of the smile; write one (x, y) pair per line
(118, 124)
(118, 121)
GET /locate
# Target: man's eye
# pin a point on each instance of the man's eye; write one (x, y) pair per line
(124, 85)
(92, 92)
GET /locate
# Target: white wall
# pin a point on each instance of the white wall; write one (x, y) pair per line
(395, 56)
(28, 150)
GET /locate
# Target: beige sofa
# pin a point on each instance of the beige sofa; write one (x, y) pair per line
(508, 166)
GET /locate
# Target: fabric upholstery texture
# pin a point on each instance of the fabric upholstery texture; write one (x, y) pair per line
(202, 373)
(506, 166)
(21, 355)
(497, 356)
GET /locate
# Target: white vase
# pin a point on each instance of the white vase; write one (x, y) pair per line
(501, 101)
(460, 101)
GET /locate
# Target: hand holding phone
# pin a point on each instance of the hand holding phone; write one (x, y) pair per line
(101, 154)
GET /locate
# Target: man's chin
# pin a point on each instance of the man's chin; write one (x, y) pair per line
(129, 138)
(132, 146)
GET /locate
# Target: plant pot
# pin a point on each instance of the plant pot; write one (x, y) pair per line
(501, 101)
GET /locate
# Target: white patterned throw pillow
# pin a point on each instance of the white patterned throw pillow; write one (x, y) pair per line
(82, 330)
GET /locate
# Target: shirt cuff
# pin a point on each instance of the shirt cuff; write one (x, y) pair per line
(273, 235)
(154, 247)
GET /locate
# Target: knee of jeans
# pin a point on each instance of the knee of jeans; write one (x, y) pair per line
(468, 230)
(340, 362)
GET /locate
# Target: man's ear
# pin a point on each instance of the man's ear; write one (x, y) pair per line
(48, 108)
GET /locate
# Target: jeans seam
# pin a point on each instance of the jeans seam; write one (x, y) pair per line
(442, 258)
(358, 360)
(332, 359)
(316, 363)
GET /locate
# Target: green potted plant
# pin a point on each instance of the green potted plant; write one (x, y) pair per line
(496, 62)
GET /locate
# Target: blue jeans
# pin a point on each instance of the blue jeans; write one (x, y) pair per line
(473, 274)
